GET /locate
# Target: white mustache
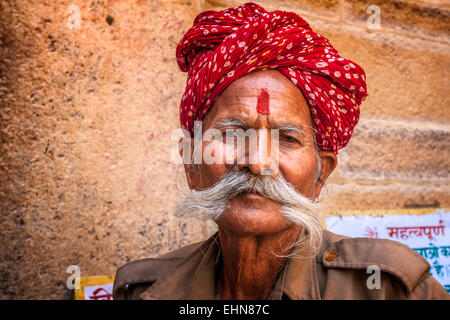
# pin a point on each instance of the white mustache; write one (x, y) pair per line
(214, 201)
(235, 183)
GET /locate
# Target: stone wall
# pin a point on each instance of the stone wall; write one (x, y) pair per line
(87, 113)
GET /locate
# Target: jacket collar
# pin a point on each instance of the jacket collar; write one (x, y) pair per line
(195, 277)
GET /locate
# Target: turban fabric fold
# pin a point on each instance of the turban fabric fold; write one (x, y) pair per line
(223, 46)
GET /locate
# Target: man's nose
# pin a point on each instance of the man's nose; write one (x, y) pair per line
(260, 157)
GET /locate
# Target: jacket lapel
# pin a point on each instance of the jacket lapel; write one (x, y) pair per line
(193, 278)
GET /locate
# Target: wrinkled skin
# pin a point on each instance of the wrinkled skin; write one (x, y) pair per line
(252, 228)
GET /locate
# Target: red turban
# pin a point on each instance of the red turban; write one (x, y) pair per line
(223, 46)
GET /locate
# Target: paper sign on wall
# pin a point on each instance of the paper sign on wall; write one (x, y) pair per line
(426, 233)
(95, 288)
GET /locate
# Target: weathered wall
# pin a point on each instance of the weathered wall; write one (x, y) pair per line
(86, 118)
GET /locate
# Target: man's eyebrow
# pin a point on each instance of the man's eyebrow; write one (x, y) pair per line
(291, 128)
(231, 122)
(239, 123)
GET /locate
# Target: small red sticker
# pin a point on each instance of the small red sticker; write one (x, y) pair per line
(262, 106)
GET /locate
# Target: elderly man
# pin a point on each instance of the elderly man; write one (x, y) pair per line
(269, 74)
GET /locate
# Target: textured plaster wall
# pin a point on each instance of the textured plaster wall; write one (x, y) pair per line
(86, 118)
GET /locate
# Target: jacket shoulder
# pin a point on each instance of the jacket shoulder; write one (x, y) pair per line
(137, 276)
(389, 256)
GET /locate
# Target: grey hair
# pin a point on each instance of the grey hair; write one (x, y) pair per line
(296, 208)
(319, 161)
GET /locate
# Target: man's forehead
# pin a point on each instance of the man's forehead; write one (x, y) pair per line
(251, 84)
(242, 93)
(285, 110)
(282, 103)
(240, 101)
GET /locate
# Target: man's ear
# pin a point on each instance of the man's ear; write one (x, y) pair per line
(328, 160)
(191, 169)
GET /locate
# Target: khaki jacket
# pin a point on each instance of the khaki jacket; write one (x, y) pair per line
(339, 271)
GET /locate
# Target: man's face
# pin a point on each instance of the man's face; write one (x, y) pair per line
(251, 213)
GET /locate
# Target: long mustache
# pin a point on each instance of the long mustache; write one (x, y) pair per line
(211, 203)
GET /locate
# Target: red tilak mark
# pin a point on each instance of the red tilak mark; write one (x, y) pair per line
(262, 106)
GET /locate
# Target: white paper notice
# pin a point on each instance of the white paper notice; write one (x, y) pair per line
(100, 292)
(427, 234)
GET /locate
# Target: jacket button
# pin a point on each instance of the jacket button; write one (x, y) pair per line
(331, 256)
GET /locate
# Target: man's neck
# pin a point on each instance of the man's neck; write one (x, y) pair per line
(250, 263)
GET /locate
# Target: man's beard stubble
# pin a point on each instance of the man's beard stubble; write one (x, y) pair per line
(295, 208)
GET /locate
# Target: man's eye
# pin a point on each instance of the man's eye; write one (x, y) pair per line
(290, 139)
(230, 134)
